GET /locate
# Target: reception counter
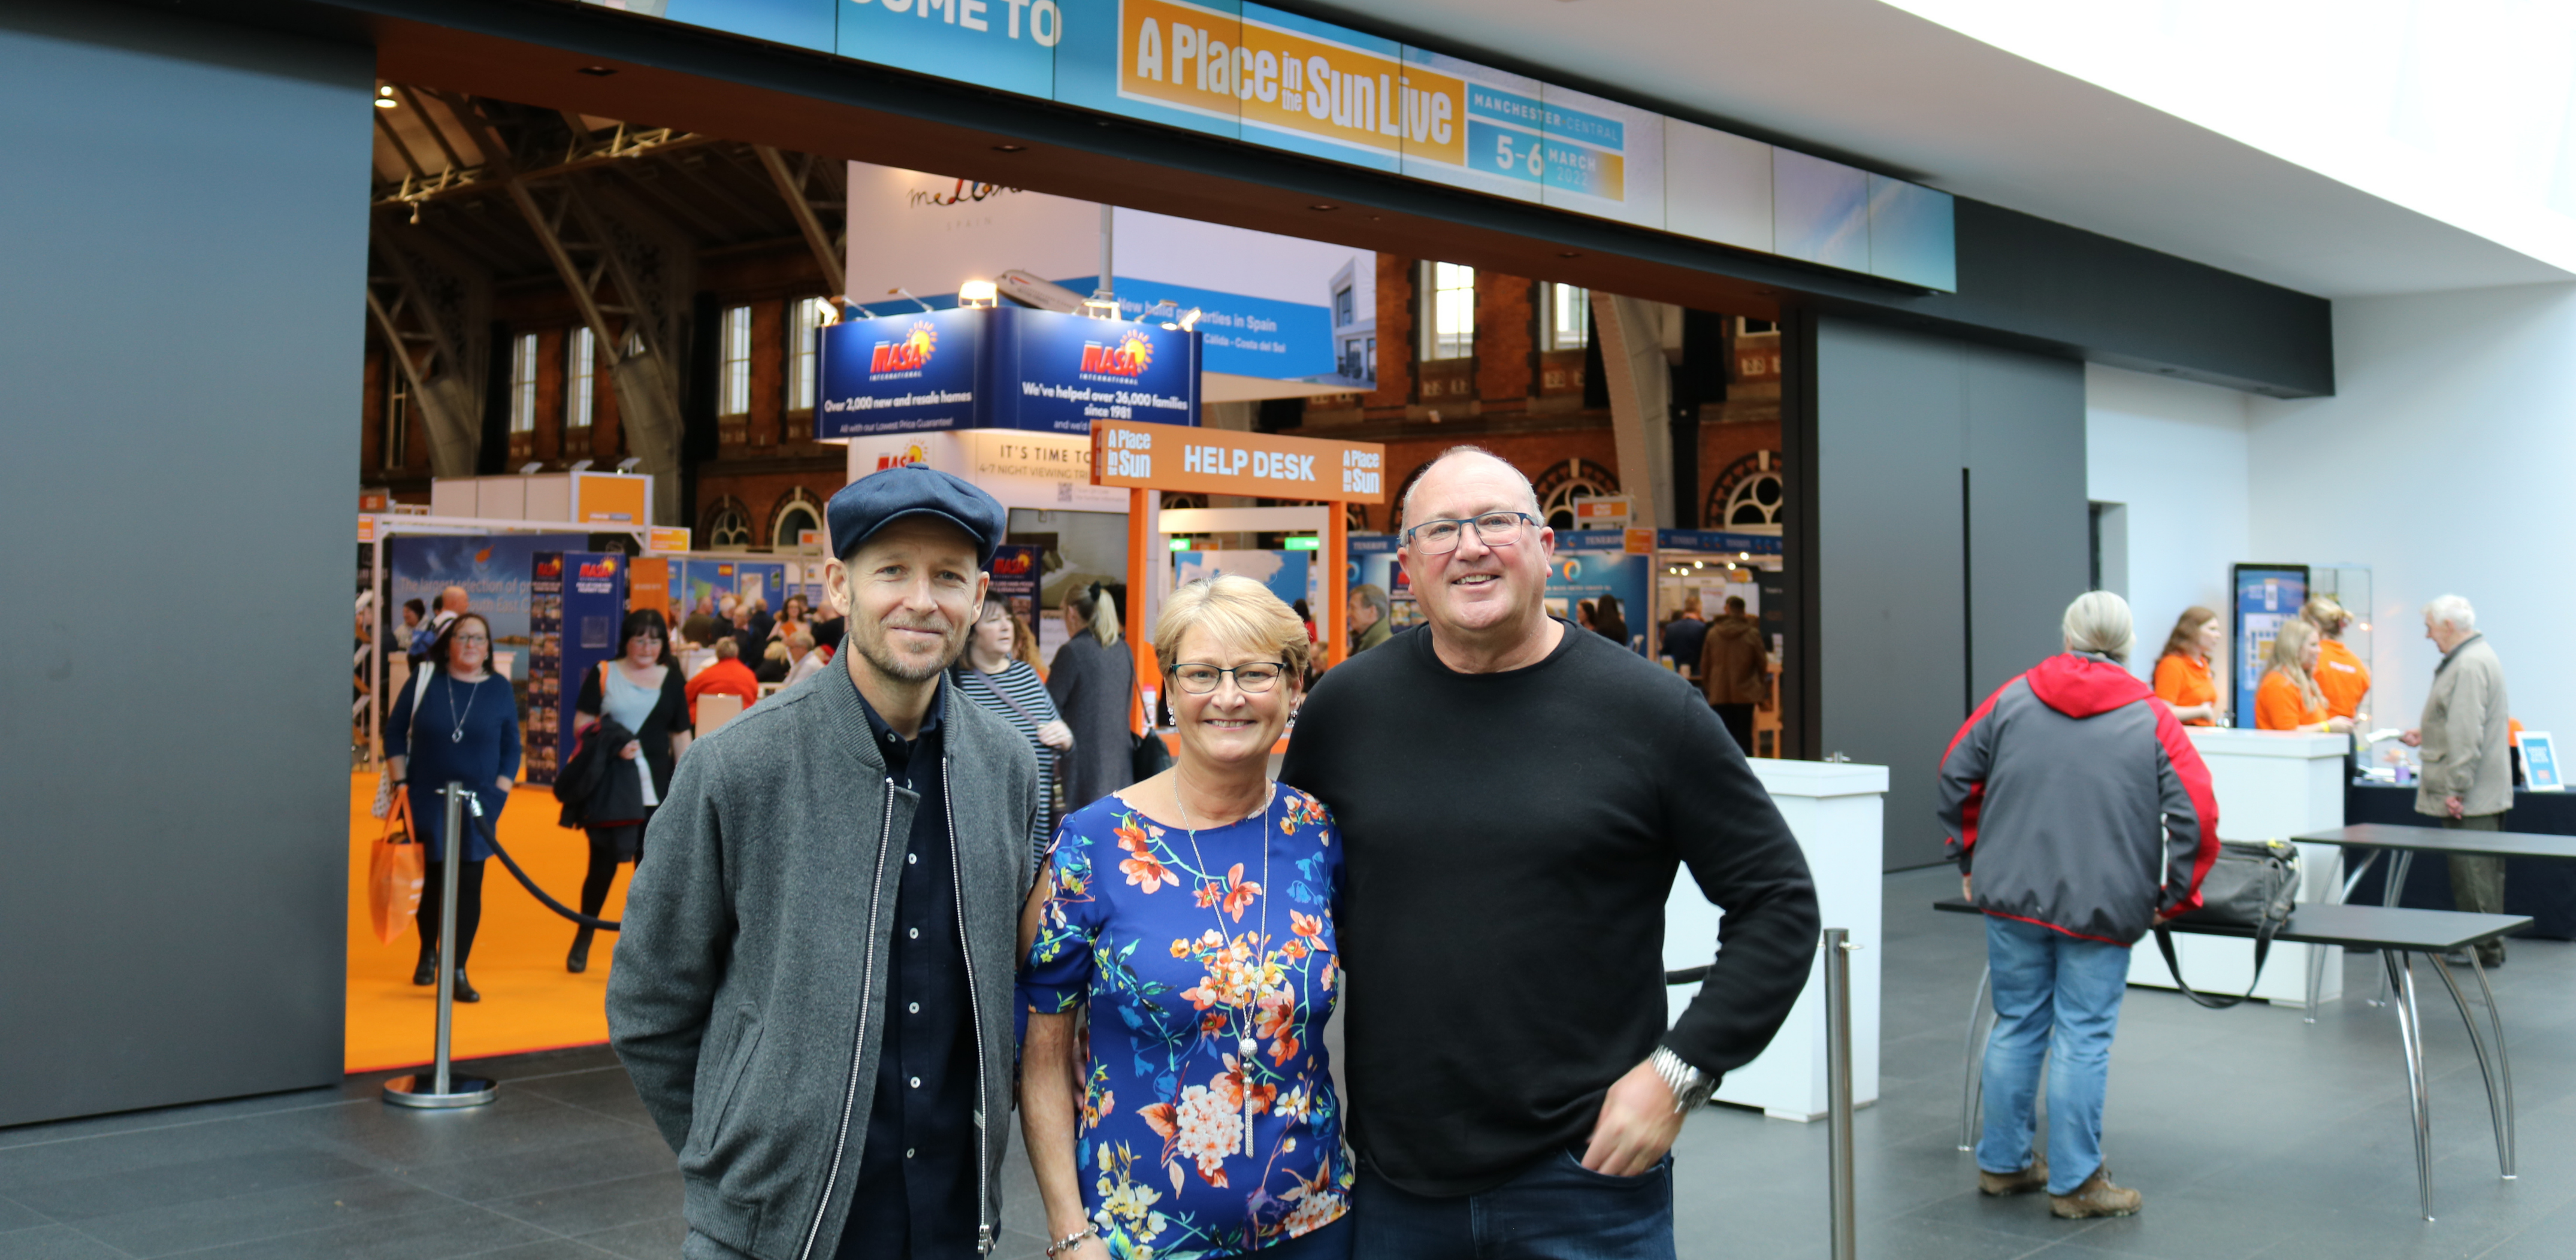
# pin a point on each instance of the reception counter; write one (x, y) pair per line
(1835, 810)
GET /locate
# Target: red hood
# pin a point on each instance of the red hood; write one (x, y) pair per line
(2082, 686)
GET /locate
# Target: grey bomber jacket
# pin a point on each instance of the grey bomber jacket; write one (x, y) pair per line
(2467, 749)
(747, 1000)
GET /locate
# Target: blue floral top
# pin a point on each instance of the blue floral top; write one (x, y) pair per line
(1203, 962)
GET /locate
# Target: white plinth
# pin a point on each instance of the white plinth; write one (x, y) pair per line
(1835, 810)
(2270, 785)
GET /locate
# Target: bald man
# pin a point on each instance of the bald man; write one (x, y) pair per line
(1515, 798)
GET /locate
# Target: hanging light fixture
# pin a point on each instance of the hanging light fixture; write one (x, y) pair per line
(385, 97)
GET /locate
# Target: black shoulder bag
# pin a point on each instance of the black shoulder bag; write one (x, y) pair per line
(2254, 883)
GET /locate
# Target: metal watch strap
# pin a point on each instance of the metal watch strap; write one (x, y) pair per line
(1691, 1087)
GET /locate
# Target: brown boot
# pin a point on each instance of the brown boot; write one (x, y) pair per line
(2032, 1178)
(2096, 1197)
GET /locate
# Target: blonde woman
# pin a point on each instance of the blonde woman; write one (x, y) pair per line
(2289, 699)
(1093, 681)
(2340, 675)
(1194, 913)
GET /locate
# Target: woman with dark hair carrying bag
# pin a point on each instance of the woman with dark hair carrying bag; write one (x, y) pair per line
(461, 726)
(633, 718)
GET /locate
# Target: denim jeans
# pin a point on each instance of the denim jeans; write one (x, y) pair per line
(1557, 1210)
(2058, 996)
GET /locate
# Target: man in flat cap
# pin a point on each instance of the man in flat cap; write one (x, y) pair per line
(813, 989)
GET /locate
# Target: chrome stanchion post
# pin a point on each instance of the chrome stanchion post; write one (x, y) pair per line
(1838, 1089)
(444, 1088)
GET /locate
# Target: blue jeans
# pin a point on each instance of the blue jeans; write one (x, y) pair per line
(1557, 1210)
(2059, 996)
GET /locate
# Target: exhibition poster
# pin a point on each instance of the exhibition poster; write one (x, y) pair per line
(1013, 579)
(492, 569)
(577, 601)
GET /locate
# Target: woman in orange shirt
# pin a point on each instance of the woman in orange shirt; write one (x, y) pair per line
(2182, 674)
(2341, 676)
(2289, 700)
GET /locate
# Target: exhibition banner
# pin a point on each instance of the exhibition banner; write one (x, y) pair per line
(703, 583)
(493, 571)
(1003, 368)
(1278, 79)
(1578, 575)
(1219, 461)
(2266, 595)
(1275, 307)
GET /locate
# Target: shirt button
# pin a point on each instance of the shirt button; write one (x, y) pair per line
(914, 933)
(916, 1082)
(915, 1008)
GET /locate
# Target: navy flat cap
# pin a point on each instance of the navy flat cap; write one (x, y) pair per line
(870, 503)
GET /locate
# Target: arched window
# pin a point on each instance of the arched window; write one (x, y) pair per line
(726, 526)
(797, 511)
(1750, 492)
(1562, 484)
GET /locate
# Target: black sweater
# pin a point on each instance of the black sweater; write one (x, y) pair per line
(1512, 839)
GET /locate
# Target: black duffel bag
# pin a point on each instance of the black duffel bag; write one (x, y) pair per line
(2254, 883)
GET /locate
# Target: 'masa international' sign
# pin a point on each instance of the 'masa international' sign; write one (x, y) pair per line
(1003, 368)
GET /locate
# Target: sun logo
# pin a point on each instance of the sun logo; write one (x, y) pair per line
(907, 354)
(913, 454)
(1130, 357)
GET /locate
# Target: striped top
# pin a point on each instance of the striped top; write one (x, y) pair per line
(1033, 709)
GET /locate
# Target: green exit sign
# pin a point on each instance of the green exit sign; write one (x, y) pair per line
(1304, 542)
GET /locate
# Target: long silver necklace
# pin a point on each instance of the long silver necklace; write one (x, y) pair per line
(1246, 1047)
(457, 736)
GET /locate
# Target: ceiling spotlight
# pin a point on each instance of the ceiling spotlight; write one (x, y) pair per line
(527, 468)
(1009, 148)
(628, 464)
(975, 293)
(599, 72)
(1190, 320)
(1323, 206)
(385, 98)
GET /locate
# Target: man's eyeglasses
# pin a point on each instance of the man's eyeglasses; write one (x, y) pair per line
(1199, 680)
(1494, 529)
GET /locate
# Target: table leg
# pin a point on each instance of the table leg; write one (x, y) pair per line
(2350, 881)
(2398, 868)
(2504, 1061)
(1972, 1085)
(2486, 1071)
(2400, 967)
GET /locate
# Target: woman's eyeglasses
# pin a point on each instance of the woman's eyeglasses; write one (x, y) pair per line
(1257, 677)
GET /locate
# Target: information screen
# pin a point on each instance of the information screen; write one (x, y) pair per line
(2266, 595)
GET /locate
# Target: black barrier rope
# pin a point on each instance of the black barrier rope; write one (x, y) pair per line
(483, 828)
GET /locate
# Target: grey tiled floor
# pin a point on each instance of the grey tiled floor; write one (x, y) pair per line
(2251, 1133)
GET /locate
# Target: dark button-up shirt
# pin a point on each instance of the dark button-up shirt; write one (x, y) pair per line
(915, 1196)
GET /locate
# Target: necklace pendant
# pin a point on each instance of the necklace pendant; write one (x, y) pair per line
(456, 737)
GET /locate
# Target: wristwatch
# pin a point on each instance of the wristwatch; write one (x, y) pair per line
(1691, 1087)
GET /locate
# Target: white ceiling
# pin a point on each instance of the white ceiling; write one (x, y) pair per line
(1866, 81)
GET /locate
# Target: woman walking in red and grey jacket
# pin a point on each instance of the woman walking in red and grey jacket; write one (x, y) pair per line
(2087, 816)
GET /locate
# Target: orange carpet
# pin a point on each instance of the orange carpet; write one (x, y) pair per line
(529, 1001)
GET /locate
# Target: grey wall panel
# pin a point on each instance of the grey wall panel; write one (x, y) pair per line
(2030, 550)
(1890, 438)
(1905, 593)
(180, 334)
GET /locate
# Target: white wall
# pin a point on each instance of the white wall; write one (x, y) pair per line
(2444, 462)
(2175, 453)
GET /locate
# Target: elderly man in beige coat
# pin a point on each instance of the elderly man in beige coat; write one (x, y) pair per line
(2468, 765)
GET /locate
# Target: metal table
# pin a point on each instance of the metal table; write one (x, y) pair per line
(2406, 842)
(2398, 934)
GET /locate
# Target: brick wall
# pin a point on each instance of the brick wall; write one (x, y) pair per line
(1506, 339)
